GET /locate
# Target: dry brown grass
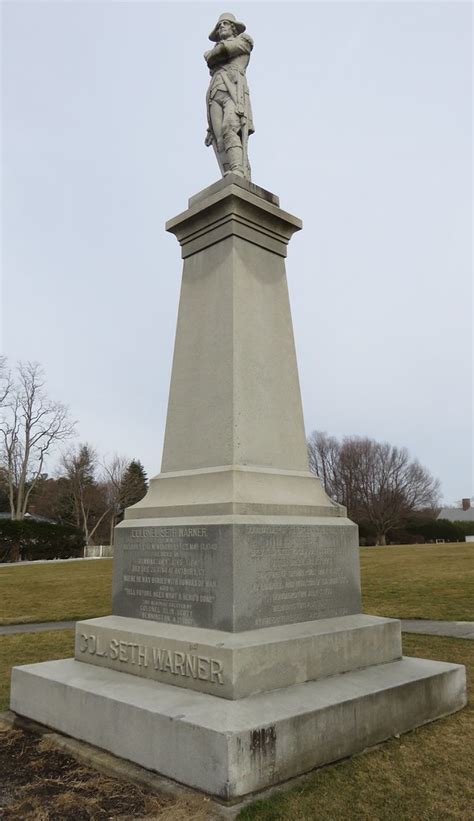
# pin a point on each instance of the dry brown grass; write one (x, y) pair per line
(38, 782)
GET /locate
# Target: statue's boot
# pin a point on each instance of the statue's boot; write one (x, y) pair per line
(236, 160)
(221, 157)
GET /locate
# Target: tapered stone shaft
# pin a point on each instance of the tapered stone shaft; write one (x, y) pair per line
(234, 396)
(235, 439)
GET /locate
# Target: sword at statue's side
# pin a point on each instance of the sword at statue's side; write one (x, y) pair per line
(245, 138)
(218, 158)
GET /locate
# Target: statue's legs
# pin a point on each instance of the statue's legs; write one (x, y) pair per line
(226, 126)
(216, 115)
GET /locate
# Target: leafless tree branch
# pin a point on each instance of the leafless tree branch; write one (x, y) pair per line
(378, 483)
(31, 426)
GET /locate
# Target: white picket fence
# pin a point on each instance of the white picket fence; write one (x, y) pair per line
(98, 551)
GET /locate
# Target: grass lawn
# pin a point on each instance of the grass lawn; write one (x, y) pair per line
(419, 581)
(55, 591)
(424, 775)
(27, 648)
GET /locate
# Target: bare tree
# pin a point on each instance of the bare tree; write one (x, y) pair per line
(5, 382)
(31, 426)
(378, 483)
(114, 472)
(323, 453)
(85, 505)
(5, 387)
(93, 490)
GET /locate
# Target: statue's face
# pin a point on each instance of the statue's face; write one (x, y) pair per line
(225, 30)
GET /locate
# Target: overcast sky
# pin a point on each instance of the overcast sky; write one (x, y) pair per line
(363, 128)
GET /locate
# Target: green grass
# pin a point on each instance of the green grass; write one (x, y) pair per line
(56, 591)
(426, 775)
(28, 648)
(419, 581)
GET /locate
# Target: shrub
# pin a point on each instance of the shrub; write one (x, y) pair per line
(465, 528)
(30, 540)
(437, 529)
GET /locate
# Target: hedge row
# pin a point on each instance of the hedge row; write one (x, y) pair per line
(29, 540)
(443, 529)
(419, 532)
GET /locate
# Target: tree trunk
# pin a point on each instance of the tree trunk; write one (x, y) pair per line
(381, 540)
(14, 552)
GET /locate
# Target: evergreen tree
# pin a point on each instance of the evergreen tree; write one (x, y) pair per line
(84, 502)
(134, 485)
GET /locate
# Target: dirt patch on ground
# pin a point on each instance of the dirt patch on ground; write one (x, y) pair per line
(40, 782)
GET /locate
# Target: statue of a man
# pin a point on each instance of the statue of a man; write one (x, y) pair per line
(229, 113)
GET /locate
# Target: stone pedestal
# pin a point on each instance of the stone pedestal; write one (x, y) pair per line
(237, 655)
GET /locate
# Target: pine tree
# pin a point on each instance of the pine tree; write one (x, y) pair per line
(134, 485)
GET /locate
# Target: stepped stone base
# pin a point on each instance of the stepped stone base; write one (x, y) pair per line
(235, 665)
(231, 748)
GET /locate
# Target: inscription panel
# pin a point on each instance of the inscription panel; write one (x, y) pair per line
(173, 574)
(297, 574)
(237, 577)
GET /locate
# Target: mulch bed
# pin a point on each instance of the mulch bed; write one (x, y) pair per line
(40, 782)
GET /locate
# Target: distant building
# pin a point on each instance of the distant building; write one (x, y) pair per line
(458, 514)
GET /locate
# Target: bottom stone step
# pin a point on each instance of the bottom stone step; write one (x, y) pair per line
(231, 748)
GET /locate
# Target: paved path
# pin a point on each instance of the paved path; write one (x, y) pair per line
(53, 561)
(452, 629)
(8, 629)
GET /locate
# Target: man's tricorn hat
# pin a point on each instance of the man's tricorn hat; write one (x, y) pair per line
(230, 18)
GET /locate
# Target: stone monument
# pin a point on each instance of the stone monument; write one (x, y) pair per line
(237, 655)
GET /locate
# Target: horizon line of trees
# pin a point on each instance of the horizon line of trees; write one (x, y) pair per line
(384, 490)
(87, 493)
(382, 487)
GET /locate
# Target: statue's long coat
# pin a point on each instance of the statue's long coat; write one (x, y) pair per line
(233, 65)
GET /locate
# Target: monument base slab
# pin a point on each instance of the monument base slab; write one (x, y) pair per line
(236, 665)
(231, 748)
